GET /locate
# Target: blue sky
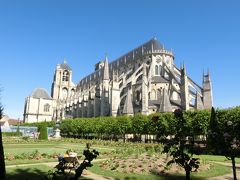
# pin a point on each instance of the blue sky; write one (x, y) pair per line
(37, 35)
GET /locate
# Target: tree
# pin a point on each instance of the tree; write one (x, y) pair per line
(123, 125)
(214, 136)
(223, 135)
(2, 162)
(178, 149)
(140, 125)
(230, 133)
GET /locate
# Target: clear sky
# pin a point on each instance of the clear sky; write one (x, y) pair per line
(37, 35)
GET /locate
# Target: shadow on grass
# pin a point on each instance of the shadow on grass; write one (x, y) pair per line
(162, 177)
(36, 174)
(26, 174)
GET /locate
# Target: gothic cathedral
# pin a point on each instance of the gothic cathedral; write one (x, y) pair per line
(145, 80)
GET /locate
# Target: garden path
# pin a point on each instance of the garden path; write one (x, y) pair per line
(86, 173)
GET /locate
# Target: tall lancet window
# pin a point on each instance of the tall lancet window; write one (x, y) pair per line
(65, 76)
(160, 69)
(156, 70)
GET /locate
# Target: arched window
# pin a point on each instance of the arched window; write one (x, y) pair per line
(64, 93)
(156, 70)
(160, 69)
(46, 107)
(138, 96)
(72, 92)
(153, 95)
(159, 92)
(65, 76)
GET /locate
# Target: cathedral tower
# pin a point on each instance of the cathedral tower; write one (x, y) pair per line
(62, 86)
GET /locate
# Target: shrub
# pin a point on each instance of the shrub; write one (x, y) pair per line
(42, 129)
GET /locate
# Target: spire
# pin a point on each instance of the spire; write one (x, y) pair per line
(128, 106)
(64, 61)
(106, 69)
(165, 105)
(144, 91)
(184, 89)
(207, 91)
(198, 102)
(184, 69)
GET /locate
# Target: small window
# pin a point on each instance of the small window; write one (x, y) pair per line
(156, 70)
(46, 108)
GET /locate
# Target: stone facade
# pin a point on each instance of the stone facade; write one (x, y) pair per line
(38, 107)
(145, 80)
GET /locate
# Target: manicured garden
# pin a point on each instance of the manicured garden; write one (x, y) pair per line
(159, 146)
(120, 160)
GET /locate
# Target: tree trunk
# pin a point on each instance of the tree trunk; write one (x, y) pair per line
(2, 162)
(187, 175)
(234, 168)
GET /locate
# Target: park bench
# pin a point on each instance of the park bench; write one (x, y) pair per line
(70, 163)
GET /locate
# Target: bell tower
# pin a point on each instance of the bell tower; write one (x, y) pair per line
(62, 86)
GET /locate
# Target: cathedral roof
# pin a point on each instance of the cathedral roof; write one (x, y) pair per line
(159, 79)
(151, 45)
(65, 66)
(40, 93)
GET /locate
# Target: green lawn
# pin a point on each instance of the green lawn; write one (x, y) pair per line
(50, 147)
(215, 158)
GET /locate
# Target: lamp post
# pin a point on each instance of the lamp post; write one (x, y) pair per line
(57, 130)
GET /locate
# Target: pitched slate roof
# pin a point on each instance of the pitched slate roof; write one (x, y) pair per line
(40, 93)
(65, 66)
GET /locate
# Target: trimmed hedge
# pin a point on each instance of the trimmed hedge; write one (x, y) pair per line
(160, 124)
(48, 124)
(6, 134)
(42, 129)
